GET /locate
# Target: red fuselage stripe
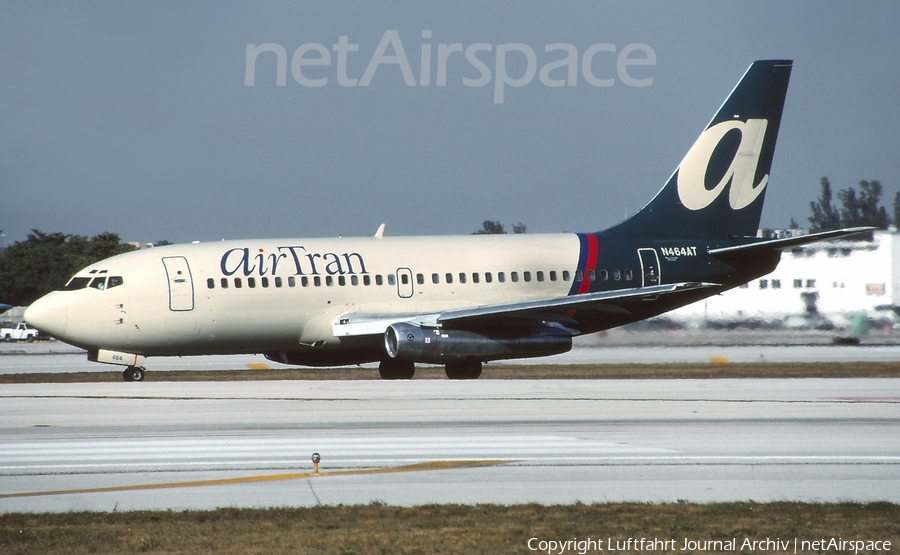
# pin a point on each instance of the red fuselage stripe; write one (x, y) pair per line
(590, 263)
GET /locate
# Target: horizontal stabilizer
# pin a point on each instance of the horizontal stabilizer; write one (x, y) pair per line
(788, 242)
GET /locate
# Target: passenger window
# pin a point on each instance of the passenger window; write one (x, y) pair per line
(488, 277)
(329, 281)
(475, 277)
(565, 275)
(292, 282)
(404, 279)
(367, 280)
(264, 281)
(237, 283)
(514, 276)
(579, 276)
(592, 275)
(616, 275)
(115, 281)
(462, 277)
(278, 282)
(251, 282)
(539, 275)
(224, 283)
(210, 283)
(552, 275)
(317, 281)
(435, 279)
(392, 280)
(379, 280)
(420, 279)
(604, 275)
(501, 277)
(527, 276)
(629, 275)
(99, 283)
(342, 281)
(354, 280)
(304, 281)
(449, 277)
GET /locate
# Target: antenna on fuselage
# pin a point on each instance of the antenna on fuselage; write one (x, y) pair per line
(380, 233)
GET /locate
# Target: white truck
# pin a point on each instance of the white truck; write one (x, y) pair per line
(21, 332)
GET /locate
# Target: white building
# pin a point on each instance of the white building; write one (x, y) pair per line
(829, 283)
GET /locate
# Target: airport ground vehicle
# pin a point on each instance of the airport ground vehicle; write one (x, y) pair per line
(22, 332)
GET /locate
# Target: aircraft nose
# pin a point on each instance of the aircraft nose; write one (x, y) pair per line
(48, 315)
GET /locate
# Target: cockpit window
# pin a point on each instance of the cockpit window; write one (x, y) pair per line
(77, 283)
(99, 283)
(114, 281)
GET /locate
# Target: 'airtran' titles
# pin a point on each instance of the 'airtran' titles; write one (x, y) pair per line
(296, 258)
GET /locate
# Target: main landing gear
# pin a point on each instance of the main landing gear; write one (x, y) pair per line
(396, 369)
(404, 370)
(463, 370)
(133, 374)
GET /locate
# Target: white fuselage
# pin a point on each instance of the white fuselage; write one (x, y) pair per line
(267, 295)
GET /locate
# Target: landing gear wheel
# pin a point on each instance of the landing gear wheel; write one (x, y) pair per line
(133, 374)
(396, 370)
(463, 370)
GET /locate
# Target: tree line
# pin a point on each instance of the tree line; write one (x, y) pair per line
(856, 209)
(494, 227)
(44, 262)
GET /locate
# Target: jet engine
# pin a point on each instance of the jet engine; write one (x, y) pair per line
(414, 343)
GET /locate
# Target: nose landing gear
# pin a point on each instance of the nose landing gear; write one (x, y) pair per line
(133, 374)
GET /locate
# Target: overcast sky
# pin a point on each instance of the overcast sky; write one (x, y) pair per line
(136, 117)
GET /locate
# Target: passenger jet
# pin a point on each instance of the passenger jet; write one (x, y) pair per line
(455, 301)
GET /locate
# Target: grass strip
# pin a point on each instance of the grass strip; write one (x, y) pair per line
(507, 372)
(449, 529)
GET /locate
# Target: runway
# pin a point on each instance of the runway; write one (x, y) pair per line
(158, 445)
(59, 357)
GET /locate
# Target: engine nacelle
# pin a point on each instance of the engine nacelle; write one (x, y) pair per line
(420, 344)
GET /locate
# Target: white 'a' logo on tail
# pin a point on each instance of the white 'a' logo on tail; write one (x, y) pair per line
(692, 189)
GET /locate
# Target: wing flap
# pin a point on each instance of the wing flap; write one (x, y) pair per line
(562, 305)
(356, 324)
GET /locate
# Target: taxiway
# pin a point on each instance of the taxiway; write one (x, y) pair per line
(158, 445)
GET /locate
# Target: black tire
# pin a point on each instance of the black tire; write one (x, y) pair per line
(396, 370)
(463, 370)
(133, 374)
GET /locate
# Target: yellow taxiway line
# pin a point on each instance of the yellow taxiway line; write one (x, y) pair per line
(433, 465)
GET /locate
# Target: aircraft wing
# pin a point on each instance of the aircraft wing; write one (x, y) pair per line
(551, 310)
